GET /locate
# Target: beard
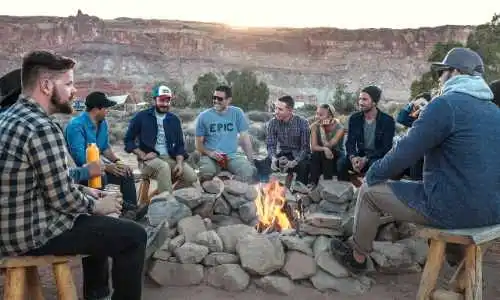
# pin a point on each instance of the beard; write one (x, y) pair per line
(162, 109)
(59, 107)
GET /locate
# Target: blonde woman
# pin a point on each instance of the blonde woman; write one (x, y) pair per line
(327, 136)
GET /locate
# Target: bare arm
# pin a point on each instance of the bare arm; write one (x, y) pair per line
(109, 154)
(314, 141)
(339, 136)
(246, 144)
(199, 146)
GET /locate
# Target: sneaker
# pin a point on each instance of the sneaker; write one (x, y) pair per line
(345, 256)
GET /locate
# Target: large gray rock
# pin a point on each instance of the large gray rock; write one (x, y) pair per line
(165, 207)
(174, 274)
(260, 255)
(229, 277)
(190, 227)
(231, 233)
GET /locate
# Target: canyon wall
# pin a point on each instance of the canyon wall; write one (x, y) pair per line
(127, 55)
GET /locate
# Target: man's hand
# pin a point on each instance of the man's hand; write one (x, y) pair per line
(148, 156)
(216, 155)
(110, 204)
(355, 163)
(274, 164)
(360, 165)
(116, 169)
(328, 153)
(127, 169)
(94, 192)
(178, 170)
(291, 164)
(95, 168)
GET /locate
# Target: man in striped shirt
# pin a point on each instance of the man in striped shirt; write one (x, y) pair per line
(42, 212)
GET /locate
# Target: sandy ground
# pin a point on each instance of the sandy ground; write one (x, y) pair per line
(387, 287)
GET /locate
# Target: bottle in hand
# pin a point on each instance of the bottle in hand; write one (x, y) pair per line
(92, 156)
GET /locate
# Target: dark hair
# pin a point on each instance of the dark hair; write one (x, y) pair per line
(37, 62)
(495, 88)
(426, 95)
(288, 100)
(226, 89)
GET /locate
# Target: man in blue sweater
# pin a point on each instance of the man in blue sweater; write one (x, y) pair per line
(459, 136)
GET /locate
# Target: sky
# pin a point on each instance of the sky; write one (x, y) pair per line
(350, 14)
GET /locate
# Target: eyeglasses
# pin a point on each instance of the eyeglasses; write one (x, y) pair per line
(217, 98)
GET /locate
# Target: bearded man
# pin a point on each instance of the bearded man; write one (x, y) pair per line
(43, 211)
(155, 136)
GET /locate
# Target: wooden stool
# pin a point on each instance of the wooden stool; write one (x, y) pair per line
(467, 282)
(21, 276)
(144, 194)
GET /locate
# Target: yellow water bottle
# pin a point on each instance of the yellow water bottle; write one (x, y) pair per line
(93, 156)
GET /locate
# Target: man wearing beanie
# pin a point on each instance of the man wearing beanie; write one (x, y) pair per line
(369, 135)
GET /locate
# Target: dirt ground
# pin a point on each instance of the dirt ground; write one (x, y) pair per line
(387, 287)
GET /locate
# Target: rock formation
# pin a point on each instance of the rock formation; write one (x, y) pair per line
(127, 55)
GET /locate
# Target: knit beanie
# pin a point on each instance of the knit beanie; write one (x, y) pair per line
(495, 88)
(374, 92)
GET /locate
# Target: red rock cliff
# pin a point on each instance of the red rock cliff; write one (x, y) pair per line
(127, 55)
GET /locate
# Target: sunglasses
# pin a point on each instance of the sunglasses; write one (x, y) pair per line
(217, 98)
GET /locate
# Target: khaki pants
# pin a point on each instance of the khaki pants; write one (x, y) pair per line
(160, 169)
(372, 201)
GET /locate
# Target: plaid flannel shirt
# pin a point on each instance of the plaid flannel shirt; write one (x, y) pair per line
(38, 200)
(289, 137)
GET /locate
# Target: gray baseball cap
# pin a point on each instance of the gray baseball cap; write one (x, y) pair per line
(463, 59)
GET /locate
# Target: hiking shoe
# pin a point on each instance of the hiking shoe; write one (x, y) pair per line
(345, 256)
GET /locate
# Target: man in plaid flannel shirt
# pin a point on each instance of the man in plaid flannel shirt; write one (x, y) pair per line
(42, 212)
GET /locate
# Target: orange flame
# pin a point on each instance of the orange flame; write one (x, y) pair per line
(270, 201)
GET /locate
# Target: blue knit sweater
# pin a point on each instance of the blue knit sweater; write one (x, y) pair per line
(459, 136)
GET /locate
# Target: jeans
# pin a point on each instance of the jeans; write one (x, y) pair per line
(127, 189)
(321, 165)
(101, 237)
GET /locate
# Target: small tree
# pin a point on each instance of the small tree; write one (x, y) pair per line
(428, 81)
(203, 89)
(345, 102)
(248, 92)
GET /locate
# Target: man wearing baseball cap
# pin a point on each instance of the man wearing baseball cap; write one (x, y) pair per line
(459, 137)
(91, 127)
(155, 136)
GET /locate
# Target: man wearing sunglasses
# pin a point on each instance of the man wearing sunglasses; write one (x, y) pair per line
(155, 136)
(218, 133)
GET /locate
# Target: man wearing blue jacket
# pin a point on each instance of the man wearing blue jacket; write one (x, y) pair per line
(459, 136)
(91, 126)
(155, 136)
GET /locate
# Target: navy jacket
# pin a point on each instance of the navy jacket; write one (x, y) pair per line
(142, 132)
(384, 133)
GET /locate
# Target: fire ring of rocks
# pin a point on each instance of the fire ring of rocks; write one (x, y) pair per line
(232, 234)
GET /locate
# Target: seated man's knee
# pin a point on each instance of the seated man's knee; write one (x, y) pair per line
(242, 168)
(207, 167)
(190, 176)
(135, 232)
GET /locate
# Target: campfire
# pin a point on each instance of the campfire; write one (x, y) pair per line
(274, 212)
